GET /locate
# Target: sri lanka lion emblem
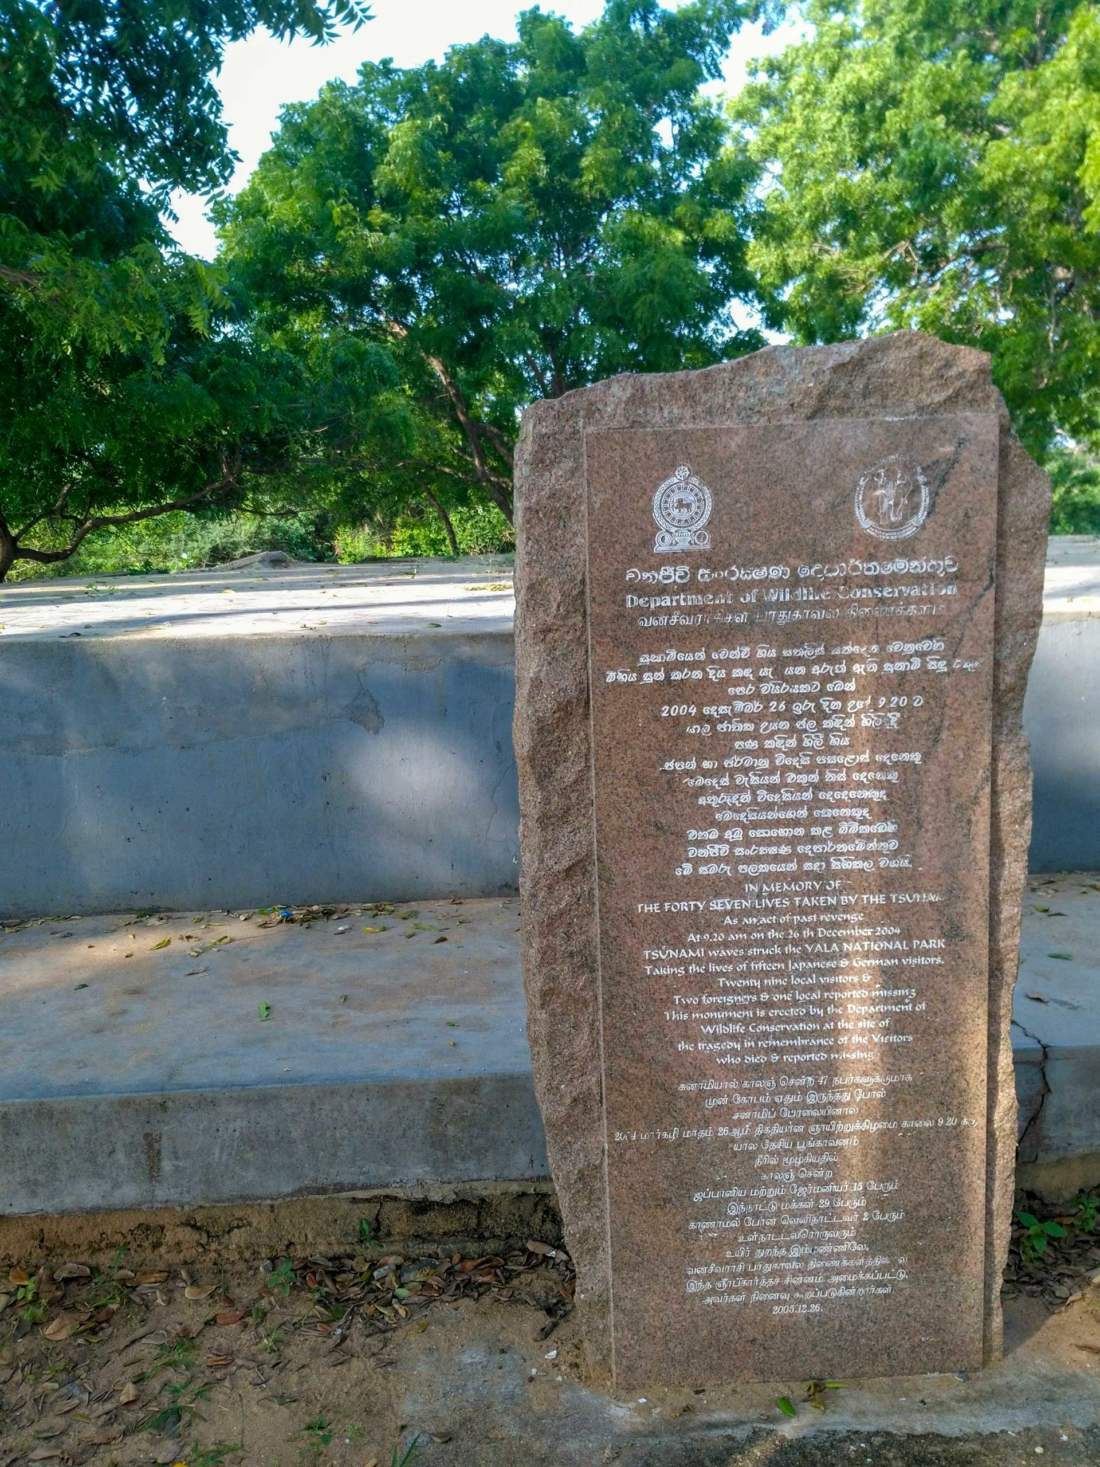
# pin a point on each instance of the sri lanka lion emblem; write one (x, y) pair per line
(681, 507)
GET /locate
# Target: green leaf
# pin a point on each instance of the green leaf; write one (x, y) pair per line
(912, 175)
(786, 1405)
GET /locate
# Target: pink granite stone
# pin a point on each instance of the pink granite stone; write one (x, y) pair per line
(773, 629)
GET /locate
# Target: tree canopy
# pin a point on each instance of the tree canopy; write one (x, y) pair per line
(124, 397)
(937, 165)
(424, 252)
(518, 220)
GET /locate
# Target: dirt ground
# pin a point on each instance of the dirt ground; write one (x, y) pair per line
(448, 1358)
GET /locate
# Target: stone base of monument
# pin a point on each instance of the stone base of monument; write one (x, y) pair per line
(224, 1057)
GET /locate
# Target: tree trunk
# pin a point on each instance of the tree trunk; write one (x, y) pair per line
(7, 549)
(439, 508)
(502, 501)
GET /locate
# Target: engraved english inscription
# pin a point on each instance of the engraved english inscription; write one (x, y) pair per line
(791, 717)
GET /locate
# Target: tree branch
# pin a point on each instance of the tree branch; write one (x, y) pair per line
(498, 487)
(46, 514)
(18, 277)
(437, 505)
(419, 466)
(131, 517)
(499, 442)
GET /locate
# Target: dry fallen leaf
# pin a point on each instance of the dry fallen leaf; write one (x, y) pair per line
(71, 1271)
(196, 1291)
(128, 1394)
(63, 1327)
(543, 1250)
(229, 1316)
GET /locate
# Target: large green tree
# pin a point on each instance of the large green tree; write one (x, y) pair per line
(937, 165)
(513, 222)
(127, 389)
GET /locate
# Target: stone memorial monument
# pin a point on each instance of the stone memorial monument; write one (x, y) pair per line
(773, 631)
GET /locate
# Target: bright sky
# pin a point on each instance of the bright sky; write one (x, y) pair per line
(259, 75)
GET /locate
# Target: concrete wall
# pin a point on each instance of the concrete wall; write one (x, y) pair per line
(242, 772)
(1062, 717)
(245, 771)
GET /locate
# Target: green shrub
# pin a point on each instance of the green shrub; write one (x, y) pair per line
(480, 529)
(181, 542)
(1075, 476)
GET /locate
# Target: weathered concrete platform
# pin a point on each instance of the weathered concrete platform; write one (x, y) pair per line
(336, 732)
(398, 597)
(226, 1057)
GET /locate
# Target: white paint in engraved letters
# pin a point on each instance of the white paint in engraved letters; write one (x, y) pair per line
(892, 501)
(681, 507)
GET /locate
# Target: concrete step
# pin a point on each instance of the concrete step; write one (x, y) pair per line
(235, 1056)
(204, 1057)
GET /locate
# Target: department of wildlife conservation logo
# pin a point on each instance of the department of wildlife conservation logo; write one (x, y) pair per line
(892, 501)
(681, 507)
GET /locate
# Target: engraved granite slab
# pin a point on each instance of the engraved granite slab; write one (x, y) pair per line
(773, 628)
